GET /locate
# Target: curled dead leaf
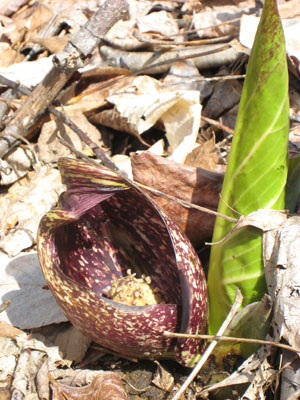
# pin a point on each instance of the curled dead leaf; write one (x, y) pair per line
(163, 379)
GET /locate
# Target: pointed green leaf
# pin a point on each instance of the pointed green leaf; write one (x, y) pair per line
(256, 171)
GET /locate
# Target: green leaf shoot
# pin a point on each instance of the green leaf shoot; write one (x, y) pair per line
(256, 172)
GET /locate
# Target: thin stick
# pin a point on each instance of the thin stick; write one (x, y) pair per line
(186, 203)
(234, 339)
(218, 124)
(4, 305)
(170, 44)
(207, 79)
(236, 305)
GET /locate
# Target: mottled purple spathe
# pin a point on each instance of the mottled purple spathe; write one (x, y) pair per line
(101, 228)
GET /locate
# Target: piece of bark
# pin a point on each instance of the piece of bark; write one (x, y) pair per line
(191, 184)
(74, 56)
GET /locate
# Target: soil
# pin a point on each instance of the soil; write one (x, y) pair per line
(138, 377)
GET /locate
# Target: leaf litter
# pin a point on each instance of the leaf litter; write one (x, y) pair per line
(160, 31)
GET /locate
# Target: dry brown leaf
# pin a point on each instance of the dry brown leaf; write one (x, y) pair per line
(22, 208)
(121, 35)
(256, 371)
(50, 148)
(12, 33)
(183, 75)
(266, 220)
(138, 8)
(124, 163)
(225, 96)
(281, 253)
(205, 156)
(289, 9)
(93, 98)
(9, 7)
(20, 360)
(72, 343)
(264, 375)
(9, 331)
(5, 394)
(147, 102)
(114, 120)
(29, 73)
(105, 386)
(9, 352)
(160, 22)
(75, 377)
(229, 118)
(17, 163)
(8, 55)
(208, 20)
(191, 184)
(69, 13)
(291, 28)
(54, 44)
(42, 381)
(36, 17)
(163, 379)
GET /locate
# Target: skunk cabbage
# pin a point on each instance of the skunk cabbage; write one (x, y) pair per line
(103, 234)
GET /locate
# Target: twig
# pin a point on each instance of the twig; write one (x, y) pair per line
(186, 203)
(236, 305)
(207, 79)
(233, 339)
(4, 305)
(134, 388)
(100, 154)
(218, 125)
(169, 44)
